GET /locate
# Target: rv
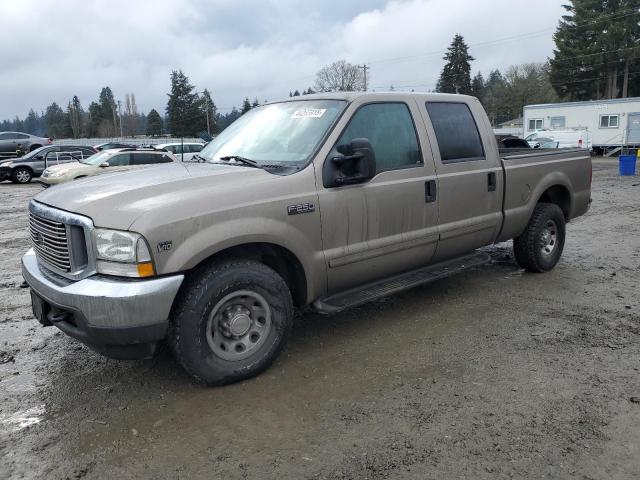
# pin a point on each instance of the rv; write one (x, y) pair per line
(611, 124)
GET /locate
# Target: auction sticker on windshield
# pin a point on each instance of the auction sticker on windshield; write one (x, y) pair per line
(309, 113)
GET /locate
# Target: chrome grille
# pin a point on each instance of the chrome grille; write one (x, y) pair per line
(50, 242)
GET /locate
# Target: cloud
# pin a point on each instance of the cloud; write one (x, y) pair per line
(53, 49)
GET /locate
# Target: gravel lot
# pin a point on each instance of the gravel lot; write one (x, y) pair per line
(493, 373)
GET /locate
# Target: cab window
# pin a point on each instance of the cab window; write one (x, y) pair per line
(456, 132)
(390, 129)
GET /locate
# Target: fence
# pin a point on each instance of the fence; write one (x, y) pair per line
(140, 140)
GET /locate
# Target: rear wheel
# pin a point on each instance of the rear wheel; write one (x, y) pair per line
(230, 321)
(21, 175)
(539, 247)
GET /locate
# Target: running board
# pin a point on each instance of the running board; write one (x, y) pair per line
(397, 283)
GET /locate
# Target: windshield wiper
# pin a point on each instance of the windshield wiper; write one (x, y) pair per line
(199, 158)
(238, 158)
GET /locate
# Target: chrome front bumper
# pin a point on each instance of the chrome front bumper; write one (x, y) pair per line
(105, 310)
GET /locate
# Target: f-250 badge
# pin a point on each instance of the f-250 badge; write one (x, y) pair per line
(165, 246)
(301, 208)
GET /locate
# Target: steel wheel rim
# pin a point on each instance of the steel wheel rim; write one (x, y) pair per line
(238, 325)
(549, 238)
(22, 176)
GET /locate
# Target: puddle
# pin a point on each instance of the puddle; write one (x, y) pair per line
(21, 419)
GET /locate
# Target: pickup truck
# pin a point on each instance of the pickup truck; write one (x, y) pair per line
(325, 202)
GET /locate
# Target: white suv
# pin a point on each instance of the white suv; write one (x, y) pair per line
(184, 151)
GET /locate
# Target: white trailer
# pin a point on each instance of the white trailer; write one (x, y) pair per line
(613, 124)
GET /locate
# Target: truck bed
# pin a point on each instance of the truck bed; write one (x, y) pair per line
(528, 179)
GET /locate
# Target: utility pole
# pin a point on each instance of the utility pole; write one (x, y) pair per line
(364, 68)
(206, 101)
(120, 115)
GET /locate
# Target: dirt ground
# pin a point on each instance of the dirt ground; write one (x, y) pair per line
(493, 373)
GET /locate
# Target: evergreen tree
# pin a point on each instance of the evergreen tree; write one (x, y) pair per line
(477, 86)
(597, 51)
(75, 115)
(108, 123)
(456, 74)
(184, 110)
(255, 103)
(246, 106)
(296, 93)
(494, 98)
(32, 123)
(94, 120)
(154, 123)
(55, 120)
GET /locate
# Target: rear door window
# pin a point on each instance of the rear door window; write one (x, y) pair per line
(456, 132)
(145, 158)
(195, 148)
(120, 160)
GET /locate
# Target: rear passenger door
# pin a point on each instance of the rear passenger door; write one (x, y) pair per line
(470, 176)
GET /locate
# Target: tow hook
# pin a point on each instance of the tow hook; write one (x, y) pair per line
(57, 317)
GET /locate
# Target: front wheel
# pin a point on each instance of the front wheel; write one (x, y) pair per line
(230, 321)
(539, 247)
(21, 175)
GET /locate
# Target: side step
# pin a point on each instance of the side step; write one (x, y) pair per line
(397, 283)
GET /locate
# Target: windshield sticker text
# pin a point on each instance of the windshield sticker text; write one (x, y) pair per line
(309, 113)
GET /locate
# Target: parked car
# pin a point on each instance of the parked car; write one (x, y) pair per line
(103, 162)
(511, 142)
(542, 142)
(112, 145)
(9, 142)
(31, 165)
(564, 138)
(345, 198)
(184, 151)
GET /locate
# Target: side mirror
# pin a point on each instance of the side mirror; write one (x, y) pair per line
(104, 164)
(353, 163)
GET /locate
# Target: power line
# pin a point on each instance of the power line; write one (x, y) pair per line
(523, 36)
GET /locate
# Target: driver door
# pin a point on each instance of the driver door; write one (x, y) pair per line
(388, 224)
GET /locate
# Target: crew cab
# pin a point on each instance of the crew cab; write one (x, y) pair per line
(328, 201)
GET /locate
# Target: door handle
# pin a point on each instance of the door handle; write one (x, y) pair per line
(491, 182)
(430, 191)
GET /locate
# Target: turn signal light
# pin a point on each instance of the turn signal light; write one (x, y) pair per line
(145, 269)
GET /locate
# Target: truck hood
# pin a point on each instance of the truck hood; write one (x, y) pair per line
(118, 199)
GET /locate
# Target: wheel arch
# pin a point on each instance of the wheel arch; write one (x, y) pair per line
(277, 257)
(560, 195)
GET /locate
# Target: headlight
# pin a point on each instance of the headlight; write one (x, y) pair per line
(121, 253)
(50, 174)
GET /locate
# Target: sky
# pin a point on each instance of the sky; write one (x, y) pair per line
(51, 50)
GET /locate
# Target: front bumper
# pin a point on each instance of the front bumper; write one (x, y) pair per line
(5, 174)
(120, 318)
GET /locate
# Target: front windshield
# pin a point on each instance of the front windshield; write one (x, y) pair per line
(97, 158)
(280, 133)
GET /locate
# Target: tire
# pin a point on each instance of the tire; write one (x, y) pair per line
(21, 175)
(33, 147)
(230, 321)
(539, 247)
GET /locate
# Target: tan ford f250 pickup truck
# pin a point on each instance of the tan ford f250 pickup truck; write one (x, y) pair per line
(329, 201)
